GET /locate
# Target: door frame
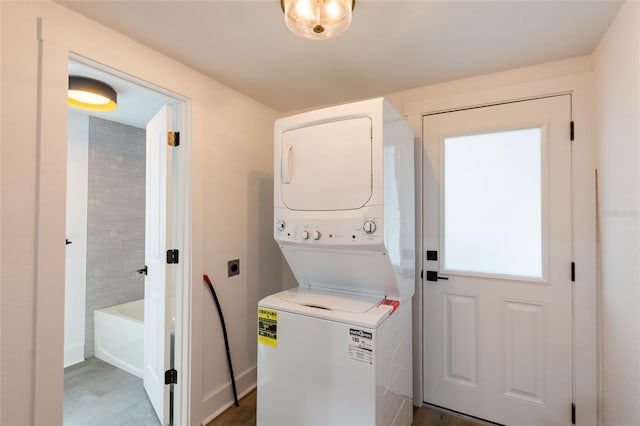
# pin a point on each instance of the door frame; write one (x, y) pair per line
(586, 351)
(45, 38)
(181, 238)
(552, 279)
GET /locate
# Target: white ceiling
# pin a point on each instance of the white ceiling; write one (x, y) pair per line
(391, 45)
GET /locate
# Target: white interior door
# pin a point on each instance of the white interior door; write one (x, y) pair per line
(75, 270)
(157, 337)
(497, 225)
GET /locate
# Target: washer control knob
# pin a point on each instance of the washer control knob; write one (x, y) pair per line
(369, 227)
(316, 235)
(280, 225)
(305, 235)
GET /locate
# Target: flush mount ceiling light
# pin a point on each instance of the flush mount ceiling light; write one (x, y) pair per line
(94, 95)
(318, 19)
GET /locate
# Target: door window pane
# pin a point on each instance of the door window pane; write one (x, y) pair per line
(493, 203)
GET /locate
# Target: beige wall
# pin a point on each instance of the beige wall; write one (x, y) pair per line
(617, 72)
(231, 167)
(231, 185)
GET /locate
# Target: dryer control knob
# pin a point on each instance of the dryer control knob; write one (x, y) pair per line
(369, 227)
(316, 235)
(280, 225)
(305, 235)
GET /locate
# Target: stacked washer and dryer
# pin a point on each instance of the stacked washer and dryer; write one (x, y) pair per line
(336, 350)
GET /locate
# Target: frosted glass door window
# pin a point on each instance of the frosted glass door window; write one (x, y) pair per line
(493, 203)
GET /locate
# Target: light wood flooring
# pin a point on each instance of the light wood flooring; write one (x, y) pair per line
(245, 415)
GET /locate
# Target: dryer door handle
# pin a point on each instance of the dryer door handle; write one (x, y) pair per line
(286, 165)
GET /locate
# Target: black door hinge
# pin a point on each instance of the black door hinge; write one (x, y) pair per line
(173, 138)
(172, 256)
(571, 131)
(422, 275)
(573, 413)
(171, 377)
(573, 271)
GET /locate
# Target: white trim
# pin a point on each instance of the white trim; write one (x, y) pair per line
(76, 57)
(246, 381)
(182, 330)
(73, 355)
(228, 405)
(182, 229)
(583, 159)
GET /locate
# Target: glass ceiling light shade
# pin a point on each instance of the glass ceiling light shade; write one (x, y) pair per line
(318, 19)
(90, 94)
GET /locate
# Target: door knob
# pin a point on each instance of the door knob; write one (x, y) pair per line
(143, 271)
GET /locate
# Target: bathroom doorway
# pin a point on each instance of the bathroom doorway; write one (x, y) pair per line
(108, 377)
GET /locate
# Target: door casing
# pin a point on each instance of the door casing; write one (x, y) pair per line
(545, 299)
(180, 225)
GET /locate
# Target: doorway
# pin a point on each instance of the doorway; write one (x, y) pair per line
(497, 289)
(104, 302)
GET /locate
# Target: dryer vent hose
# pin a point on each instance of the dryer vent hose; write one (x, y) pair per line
(226, 339)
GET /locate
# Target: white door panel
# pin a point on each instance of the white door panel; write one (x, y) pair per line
(327, 166)
(157, 232)
(497, 209)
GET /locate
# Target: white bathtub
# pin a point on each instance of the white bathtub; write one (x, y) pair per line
(119, 336)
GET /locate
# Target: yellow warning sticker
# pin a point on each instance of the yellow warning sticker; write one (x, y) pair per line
(268, 327)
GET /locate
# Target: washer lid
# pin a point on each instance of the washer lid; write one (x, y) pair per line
(332, 301)
(348, 308)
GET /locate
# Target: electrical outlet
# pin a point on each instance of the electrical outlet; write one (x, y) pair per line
(233, 267)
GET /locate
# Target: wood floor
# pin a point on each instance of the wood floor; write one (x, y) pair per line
(245, 415)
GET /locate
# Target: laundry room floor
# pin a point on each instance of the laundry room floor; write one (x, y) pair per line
(245, 415)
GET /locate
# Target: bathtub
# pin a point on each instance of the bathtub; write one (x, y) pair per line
(119, 336)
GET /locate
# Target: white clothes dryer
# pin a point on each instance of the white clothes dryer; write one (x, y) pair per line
(336, 350)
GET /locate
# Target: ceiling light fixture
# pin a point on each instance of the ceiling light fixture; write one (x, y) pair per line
(94, 95)
(318, 19)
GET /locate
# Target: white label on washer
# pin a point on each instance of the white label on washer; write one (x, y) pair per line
(361, 345)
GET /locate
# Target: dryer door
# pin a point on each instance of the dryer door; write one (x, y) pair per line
(327, 166)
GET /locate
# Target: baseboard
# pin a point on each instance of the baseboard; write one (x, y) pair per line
(219, 400)
(73, 354)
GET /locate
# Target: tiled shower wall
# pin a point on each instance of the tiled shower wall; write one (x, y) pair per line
(115, 218)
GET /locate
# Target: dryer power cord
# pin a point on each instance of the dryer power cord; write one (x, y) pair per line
(226, 339)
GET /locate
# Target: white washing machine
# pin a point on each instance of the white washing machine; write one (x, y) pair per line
(336, 350)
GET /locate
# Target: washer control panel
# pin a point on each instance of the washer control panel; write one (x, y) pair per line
(359, 231)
